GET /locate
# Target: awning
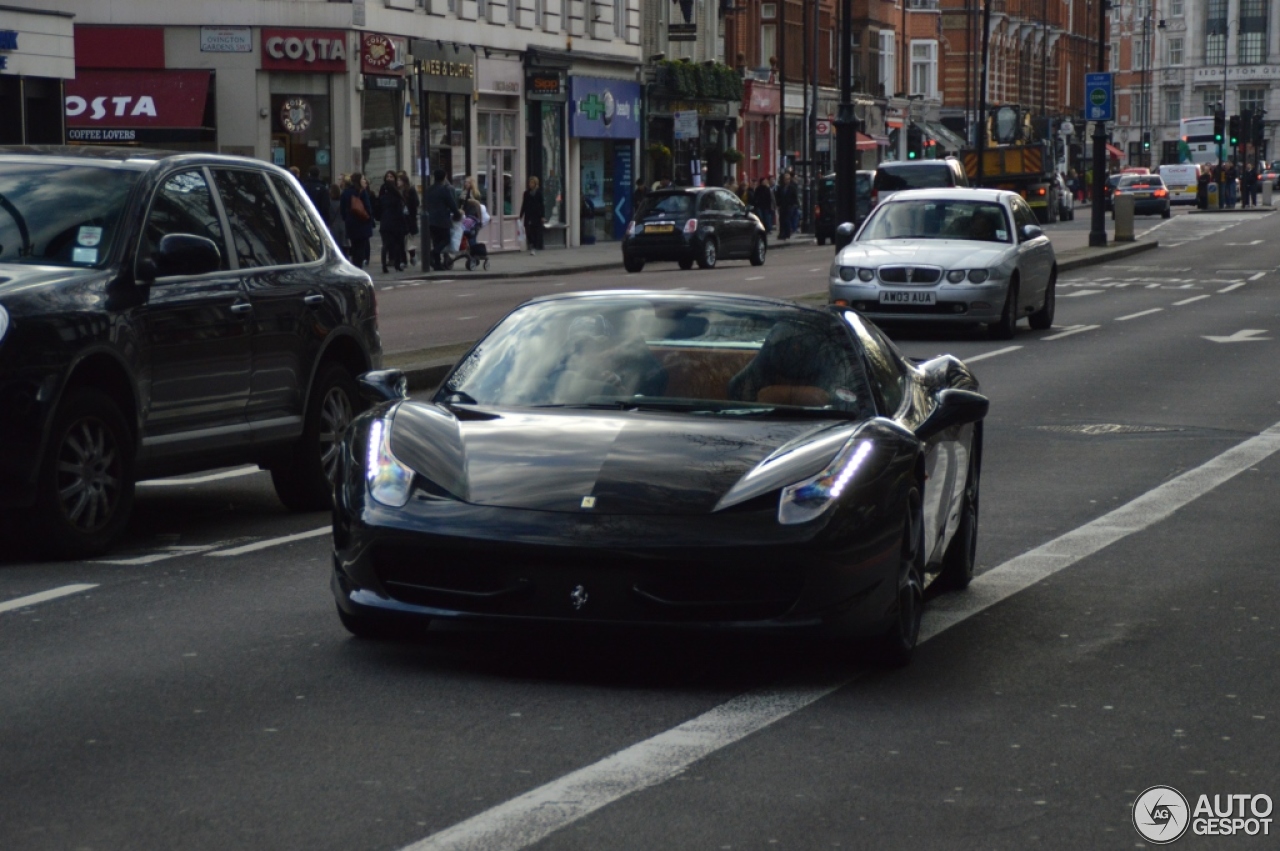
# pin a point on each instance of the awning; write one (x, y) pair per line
(137, 99)
(866, 143)
(895, 123)
(1115, 152)
(945, 137)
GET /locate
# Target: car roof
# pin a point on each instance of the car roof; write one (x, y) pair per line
(684, 190)
(946, 162)
(952, 193)
(134, 159)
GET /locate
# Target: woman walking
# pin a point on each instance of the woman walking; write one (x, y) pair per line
(533, 213)
(411, 202)
(392, 223)
(357, 213)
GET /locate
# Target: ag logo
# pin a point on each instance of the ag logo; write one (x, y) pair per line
(1161, 815)
(578, 597)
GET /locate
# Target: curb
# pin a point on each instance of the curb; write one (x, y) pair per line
(1257, 209)
(1111, 252)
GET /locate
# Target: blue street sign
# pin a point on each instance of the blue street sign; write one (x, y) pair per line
(1099, 96)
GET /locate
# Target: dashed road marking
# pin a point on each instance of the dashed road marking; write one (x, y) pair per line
(1257, 276)
(755, 278)
(1077, 293)
(464, 318)
(200, 480)
(164, 555)
(1234, 286)
(1189, 300)
(997, 352)
(1141, 313)
(43, 596)
(1071, 329)
(271, 542)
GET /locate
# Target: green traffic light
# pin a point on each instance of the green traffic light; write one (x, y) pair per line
(911, 155)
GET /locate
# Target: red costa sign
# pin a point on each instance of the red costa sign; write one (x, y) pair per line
(304, 50)
(137, 98)
(382, 54)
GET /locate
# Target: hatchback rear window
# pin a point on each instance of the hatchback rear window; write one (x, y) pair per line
(671, 205)
(890, 179)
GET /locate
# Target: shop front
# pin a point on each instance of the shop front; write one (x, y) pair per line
(605, 128)
(499, 151)
(445, 81)
(757, 139)
(382, 69)
(546, 93)
(37, 53)
(304, 68)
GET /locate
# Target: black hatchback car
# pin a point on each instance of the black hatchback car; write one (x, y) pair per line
(690, 226)
(162, 313)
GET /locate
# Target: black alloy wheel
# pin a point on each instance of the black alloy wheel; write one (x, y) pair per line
(1007, 326)
(1042, 319)
(962, 553)
(85, 491)
(632, 263)
(898, 644)
(685, 264)
(707, 259)
(305, 481)
(759, 248)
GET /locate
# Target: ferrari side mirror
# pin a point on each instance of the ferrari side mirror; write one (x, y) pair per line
(955, 407)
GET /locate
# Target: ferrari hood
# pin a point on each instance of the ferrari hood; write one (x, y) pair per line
(623, 462)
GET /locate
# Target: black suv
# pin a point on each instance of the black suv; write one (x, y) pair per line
(690, 226)
(916, 174)
(162, 313)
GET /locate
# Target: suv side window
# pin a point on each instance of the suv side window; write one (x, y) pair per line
(257, 227)
(309, 239)
(183, 204)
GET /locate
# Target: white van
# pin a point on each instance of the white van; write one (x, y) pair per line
(1181, 181)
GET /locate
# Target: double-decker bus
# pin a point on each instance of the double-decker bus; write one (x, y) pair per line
(1197, 135)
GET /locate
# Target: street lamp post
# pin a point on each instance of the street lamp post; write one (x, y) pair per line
(846, 124)
(1098, 221)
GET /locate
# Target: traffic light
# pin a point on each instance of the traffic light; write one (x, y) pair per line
(1219, 125)
(1259, 130)
(1146, 140)
(915, 142)
(1233, 131)
(1246, 126)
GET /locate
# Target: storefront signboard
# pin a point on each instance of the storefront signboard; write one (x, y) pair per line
(604, 108)
(8, 42)
(762, 99)
(624, 180)
(137, 99)
(686, 125)
(451, 68)
(382, 54)
(499, 77)
(226, 40)
(380, 83)
(316, 51)
(544, 85)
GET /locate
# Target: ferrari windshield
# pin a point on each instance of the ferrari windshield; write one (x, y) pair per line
(982, 221)
(714, 356)
(59, 215)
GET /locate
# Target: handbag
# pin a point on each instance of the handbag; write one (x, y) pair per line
(358, 210)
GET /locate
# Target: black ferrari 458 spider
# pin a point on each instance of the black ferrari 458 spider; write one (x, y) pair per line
(664, 459)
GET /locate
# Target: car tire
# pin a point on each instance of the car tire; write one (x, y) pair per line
(759, 250)
(304, 482)
(1007, 325)
(686, 265)
(1042, 319)
(632, 264)
(896, 647)
(1166, 214)
(822, 240)
(707, 257)
(961, 556)
(85, 488)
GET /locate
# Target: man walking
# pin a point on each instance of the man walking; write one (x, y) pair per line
(788, 205)
(442, 209)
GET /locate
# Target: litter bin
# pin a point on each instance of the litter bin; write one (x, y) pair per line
(1267, 190)
(1123, 206)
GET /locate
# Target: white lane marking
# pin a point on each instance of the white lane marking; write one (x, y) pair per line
(464, 295)
(272, 542)
(1075, 329)
(1257, 276)
(168, 553)
(815, 270)
(1251, 242)
(1136, 315)
(1248, 335)
(529, 818)
(1075, 293)
(43, 596)
(986, 355)
(464, 318)
(200, 480)
(1189, 300)
(756, 278)
(1235, 286)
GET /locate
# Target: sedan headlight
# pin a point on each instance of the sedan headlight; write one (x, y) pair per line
(848, 273)
(4, 322)
(866, 274)
(389, 480)
(807, 500)
(955, 276)
(977, 276)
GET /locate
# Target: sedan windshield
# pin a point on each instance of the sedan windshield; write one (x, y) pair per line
(60, 216)
(937, 219)
(669, 354)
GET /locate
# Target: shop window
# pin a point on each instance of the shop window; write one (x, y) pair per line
(257, 228)
(381, 125)
(10, 105)
(300, 128)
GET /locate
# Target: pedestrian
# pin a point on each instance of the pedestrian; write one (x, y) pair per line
(1230, 177)
(638, 195)
(411, 202)
(533, 213)
(763, 202)
(1202, 188)
(441, 205)
(731, 184)
(788, 199)
(470, 192)
(392, 213)
(318, 193)
(296, 172)
(356, 207)
(338, 226)
(1249, 185)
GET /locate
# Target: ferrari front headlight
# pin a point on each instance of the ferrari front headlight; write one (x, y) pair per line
(389, 480)
(806, 500)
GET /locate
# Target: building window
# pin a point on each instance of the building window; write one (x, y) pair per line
(887, 65)
(1140, 103)
(513, 11)
(1215, 28)
(482, 10)
(1115, 56)
(1176, 8)
(1253, 48)
(620, 18)
(1175, 51)
(924, 68)
(1173, 105)
(1253, 100)
(1209, 100)
(1253, 31)
(1215, 49)
(768, 44)
(1140, 54)
(768, 11)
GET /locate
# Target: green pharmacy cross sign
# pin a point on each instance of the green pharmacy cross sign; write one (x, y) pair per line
(592, 107)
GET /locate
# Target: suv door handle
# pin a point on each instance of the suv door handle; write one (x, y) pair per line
(242, 307)
(313, 300)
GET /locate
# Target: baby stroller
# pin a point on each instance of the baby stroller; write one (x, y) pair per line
(471, 248)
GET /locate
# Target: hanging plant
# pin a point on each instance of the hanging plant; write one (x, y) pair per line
(733, 156)
(659, 151)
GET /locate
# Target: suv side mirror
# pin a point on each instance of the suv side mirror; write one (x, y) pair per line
(844, 235)
(182, 254)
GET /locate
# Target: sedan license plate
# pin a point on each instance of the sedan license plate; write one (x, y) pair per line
(1142, 195)
(659, 228)
(908, 297)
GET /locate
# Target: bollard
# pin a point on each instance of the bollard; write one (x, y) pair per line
(1123, 205)
(1267, 189)
(1213, 196)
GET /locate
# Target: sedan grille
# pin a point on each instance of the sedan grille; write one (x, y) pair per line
(910, 274)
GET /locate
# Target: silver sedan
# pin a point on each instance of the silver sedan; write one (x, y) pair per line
(950, 255)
